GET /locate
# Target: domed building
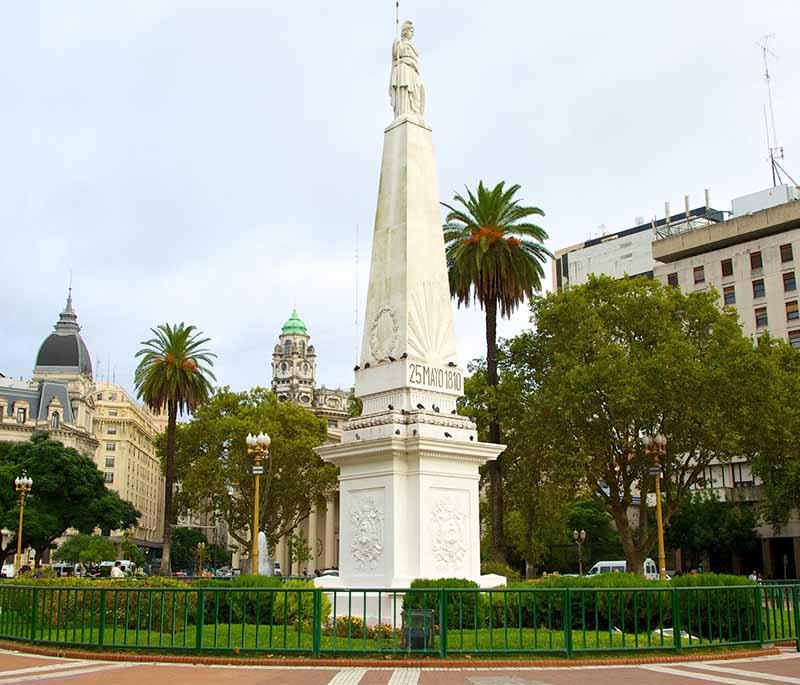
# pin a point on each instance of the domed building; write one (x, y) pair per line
(59, 396)
(294, 367)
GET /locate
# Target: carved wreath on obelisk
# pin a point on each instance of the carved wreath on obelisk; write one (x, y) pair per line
(366, 545)
(448, 533)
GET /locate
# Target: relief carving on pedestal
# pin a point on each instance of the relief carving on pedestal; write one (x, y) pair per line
(384, 334)
(366, 545)
(448, 528)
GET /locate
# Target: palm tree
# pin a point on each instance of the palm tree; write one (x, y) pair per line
(494, 257)
(173, 373)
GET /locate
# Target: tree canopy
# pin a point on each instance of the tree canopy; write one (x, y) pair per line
(613, 360)
(214, 468)
(85, 548)
(68, 492)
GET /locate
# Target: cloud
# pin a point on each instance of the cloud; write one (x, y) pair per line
(209, 161)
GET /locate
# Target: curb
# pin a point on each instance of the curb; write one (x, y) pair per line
(380, 663)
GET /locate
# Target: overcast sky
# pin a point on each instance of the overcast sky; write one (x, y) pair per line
(209, 161)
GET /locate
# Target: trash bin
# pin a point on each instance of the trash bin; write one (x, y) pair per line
(418, 629)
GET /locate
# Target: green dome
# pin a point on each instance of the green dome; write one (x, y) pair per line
(294, 326)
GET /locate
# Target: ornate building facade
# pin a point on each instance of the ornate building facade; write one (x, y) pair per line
(99, 420)
(294, 366)
(58, 398)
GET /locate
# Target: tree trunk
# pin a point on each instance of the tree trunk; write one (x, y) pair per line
(169, 480)
(634, 555)
(497, 550)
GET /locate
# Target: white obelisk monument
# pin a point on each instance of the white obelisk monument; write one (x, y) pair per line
(409, 464)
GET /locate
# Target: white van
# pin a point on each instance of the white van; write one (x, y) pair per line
(648, 567)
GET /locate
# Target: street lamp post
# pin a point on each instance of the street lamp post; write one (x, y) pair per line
(656, 449)
(258, 448)
(201, 555)
(579, 539)
(23, 486)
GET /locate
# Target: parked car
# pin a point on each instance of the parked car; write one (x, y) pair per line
(649, 569)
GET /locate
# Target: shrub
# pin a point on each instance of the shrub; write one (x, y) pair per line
(294, 604)
(465, 609)
(226, 600)
(500, 569)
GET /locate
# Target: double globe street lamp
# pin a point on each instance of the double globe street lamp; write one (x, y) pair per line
(656, 448)
(22, 485)
(258, 448)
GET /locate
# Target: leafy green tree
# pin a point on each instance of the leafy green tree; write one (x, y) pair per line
(538, 480)
(173, 372)
(214, 468)
(494, 258)
(131, 551)
(612, 360)
(773, 430)
(184, 547)
(68, 492)
(705, 526)
(85, 548)
(602, 541)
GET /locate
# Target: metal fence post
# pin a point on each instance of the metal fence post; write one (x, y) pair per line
(101, 630)
(443, 615)
(676, 619)
(316, 618)
(34, 596)
(566, 616)
(796, 598)
(201, 615)
(758, 616)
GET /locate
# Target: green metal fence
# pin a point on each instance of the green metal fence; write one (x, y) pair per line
(435, 622)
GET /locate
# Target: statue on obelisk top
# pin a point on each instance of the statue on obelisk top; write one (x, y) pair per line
(405, 86)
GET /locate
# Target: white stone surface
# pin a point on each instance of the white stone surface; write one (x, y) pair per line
(490, 580)
(409, 464)
(408, 300)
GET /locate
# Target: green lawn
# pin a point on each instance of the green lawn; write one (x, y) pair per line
(248, 637)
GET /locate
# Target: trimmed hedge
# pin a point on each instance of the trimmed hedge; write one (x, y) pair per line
(469, 613)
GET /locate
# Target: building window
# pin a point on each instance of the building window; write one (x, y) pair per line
(699, 274)
(729, 294)
(111, 446)
(758, 288)
(792, 313)
(742, 475)
(110, 462)
(672, 279)
(761, 317)
(789, 282)
(54, 422)
(109, 477)
(794, 339)
(111, 430)
(112, 396)
(332, 423)
(112, 412)
(287, 347)
(99, 395)
(21, 415)
(755, 261)
(786, 253)
(727, 268)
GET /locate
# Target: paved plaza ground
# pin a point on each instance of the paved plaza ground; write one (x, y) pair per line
(16, 667)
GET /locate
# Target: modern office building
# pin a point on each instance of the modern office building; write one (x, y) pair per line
(627, 252)
(752, 260)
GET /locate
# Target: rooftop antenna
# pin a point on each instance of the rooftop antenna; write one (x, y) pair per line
(775, 150)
